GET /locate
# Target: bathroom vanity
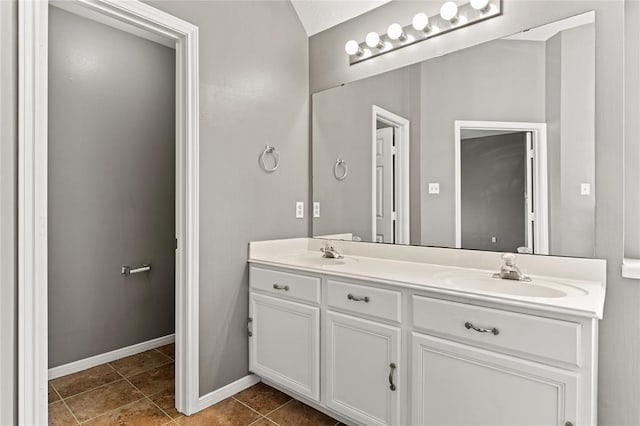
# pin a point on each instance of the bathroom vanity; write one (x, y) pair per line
(401, 335)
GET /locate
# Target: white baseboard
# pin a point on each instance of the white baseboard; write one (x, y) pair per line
(225, 392)
(83, 364)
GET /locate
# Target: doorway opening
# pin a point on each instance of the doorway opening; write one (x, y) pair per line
(33, 189)
(390, 218)
(501, 187)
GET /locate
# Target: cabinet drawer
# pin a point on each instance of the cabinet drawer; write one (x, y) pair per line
(527, 336)
(295, 286)
(376, 302)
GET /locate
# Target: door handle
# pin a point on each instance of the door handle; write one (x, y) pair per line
(128, 270)
(392, 368)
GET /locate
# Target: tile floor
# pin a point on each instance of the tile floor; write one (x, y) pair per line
(138, 390)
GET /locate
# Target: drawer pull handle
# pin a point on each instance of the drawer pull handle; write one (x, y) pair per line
(364, 299)
(392, 368)
(281, 287)
(493, 330)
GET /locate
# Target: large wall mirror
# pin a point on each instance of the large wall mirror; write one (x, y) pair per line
(488, 148)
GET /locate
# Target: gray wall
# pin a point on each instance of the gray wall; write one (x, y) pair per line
(8, 231)
(632, 130)
(498, 81)
(619, 371)
(342, 128)
(111, 188)
(570, 109)
(492, 184)
(253, 91)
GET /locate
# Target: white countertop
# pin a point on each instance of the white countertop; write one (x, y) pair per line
(449, 271)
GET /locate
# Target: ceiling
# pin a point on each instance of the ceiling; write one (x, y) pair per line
(319, 15)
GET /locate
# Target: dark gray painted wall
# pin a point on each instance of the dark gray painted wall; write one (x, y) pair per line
(253, 92)
(619, 371)
(492, 185)
(570, 65)
(8, 231)
(342, 129)
(111, 188)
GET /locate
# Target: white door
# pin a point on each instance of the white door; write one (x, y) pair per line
(284, 343)
(455, 384)
(362, 371)
(384, 190)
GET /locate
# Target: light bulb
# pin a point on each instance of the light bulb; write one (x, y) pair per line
(395, 32)
(421, 22)
(449, 12)
(373, 40)
(481, 5)
(352, 48)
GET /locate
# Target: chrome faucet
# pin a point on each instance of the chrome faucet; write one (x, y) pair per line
(330, 252)
(509, 270)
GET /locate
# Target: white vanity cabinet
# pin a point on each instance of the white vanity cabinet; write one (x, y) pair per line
(376, 353)
(284, 344)
(363, 364)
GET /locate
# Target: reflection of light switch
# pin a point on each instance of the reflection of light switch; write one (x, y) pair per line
(299, 209)
(316, 209)
(434, 188)
(494, 240)
(585, 189)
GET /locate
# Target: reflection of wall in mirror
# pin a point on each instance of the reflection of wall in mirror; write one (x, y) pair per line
(342, 123)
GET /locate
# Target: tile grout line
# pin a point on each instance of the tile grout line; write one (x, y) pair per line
(65, 403)
(147, 396)
(276, 409)
(250, 408)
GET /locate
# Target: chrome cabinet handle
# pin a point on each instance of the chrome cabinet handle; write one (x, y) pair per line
(392, 368)
(493, 330)
(281, 287)
(128, 270)
(364, 299)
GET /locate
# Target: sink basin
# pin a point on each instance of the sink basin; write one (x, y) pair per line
(485, 282)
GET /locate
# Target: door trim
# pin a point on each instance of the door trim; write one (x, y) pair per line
(541, 201)
(32, 195)
(403, 131)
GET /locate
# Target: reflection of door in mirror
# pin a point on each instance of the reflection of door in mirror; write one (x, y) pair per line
(390, 173)
(501, 187)
(385, 185)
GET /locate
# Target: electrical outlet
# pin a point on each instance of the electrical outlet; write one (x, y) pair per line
(299, 209)
(585, 189)
(434, 188)
(494, 240)
(316, 209)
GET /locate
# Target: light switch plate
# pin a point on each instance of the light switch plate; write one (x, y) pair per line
(585, 189)
(434, 188)
(299, 209)
(316, 209)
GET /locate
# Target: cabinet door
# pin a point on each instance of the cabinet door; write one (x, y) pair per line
(455, 384)
(285, 343)
(359, 372)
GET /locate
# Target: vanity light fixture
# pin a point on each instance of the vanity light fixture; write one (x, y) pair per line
(395, 32)
(481, 5)
(421, 22)
(449, 12)
(451, 17)
(373, 40)
(353, 48)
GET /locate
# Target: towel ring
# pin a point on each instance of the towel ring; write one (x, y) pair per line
(276, 155)
(336, 169)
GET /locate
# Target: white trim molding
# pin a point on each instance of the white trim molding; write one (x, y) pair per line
(402, 128)
(540, 193)
(83, 364)
(226, 391)
(32, 195)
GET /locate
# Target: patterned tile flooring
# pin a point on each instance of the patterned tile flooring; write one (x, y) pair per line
(139, 390)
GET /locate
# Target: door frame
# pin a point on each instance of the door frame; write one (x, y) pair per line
(401, 190)
(540, 195)
(32, 193)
